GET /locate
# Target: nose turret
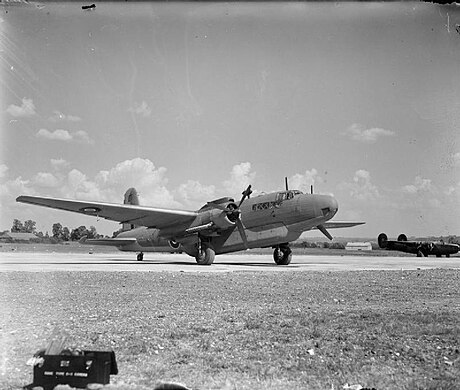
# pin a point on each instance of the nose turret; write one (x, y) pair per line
(327, 206)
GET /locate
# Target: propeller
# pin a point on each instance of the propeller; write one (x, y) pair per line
(234, 213)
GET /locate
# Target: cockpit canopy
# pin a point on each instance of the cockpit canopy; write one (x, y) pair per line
(286, 195)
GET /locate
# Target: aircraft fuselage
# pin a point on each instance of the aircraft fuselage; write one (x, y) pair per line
(268, 220)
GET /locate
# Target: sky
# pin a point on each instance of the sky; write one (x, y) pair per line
(189, 102)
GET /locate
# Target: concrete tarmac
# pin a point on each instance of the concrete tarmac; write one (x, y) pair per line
(159, 262)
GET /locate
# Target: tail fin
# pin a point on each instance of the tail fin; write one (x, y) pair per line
(131, 198)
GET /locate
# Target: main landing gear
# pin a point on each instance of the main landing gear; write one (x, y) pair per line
(140, 257)
(206, 255)
(282, 254)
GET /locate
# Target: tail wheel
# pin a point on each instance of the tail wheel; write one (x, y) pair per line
(282, 255)
(205, 255)
(140, 257)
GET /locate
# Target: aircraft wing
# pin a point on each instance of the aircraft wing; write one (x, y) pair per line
(338, 224)
(123, 213)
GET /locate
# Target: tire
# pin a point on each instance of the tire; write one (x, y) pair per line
(277, 255)
(382, 240)
(205, 256)
(419, 253)
(448, 255)
(282, 256)
(140, 257)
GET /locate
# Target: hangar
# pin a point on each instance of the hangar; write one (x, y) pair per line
(358, 246)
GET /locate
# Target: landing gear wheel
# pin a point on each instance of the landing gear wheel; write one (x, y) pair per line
(205, 256)
(140, 257)
(448, 255)
(282, 255)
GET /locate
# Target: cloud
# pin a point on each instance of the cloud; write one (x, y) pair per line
(358, 133)
(26, 109)
(57, 135)
(63, 135)
(3, 170)
(361, 188)
(141, 109)
(240, 178)
(82, 136)
(45, 179)
(456, 158)
(150, 182)
(303, 182)
(59, 163)
(420, 185)
(193, 192)
(59, 116)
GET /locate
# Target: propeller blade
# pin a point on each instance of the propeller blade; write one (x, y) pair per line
(240, 226)
(323, 230)
(246, 194)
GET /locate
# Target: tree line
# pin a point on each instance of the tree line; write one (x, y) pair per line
(58, 232)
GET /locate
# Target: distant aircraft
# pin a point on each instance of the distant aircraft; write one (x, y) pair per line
(420, 248)
(220, 226)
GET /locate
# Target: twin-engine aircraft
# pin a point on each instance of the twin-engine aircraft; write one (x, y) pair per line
(220, 226)
(420, 248)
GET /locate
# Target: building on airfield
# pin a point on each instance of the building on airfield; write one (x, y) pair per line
(358, 246)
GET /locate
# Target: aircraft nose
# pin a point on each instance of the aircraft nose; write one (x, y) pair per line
(329, 206)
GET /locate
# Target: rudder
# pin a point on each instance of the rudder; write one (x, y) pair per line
(131, 198)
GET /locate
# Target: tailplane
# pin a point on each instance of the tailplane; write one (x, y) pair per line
(131, 198)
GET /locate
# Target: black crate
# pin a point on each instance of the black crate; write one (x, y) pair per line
(75, 371)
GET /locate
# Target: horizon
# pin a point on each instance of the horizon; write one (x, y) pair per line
(191, 102)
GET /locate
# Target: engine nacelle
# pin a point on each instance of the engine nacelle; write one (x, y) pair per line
(222, 219)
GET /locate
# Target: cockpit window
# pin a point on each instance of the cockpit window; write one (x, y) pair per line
(286, 195)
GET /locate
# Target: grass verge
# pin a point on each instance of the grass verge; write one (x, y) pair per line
(315, 330)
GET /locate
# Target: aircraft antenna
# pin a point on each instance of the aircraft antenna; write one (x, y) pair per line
(311, 189)
(286, 183)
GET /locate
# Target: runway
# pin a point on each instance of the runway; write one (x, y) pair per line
(159, 262)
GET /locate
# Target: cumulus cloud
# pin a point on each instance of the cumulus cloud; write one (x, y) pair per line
(26, 109)
(56, 135)
(358, 132)
(361, 188)
(151, 182)
(59, 116)
(141, 109)
(59, 163)
(64, 135)
(45, 179)
(193, 192)
(420, 185)
(240, 178)
(3, 171)
(303, 182)
(82, 136)
(456, 158)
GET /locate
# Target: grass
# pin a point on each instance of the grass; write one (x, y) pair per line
(315, 330)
